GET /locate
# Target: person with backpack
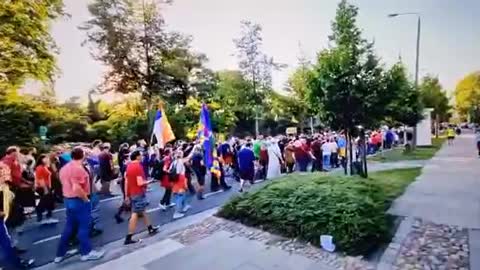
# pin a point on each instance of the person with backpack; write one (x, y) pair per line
(199, 169)
(179, 185)
(123, 159)
(136, 191)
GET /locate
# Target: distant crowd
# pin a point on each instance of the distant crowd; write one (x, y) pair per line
(77, 175)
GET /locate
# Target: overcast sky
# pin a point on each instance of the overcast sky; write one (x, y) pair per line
(450, 44)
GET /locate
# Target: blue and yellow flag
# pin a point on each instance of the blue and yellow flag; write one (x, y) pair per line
(206, 138)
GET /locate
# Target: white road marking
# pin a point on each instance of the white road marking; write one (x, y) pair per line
(101, 201)
(153, 209)
(47, 239)
(206, 195)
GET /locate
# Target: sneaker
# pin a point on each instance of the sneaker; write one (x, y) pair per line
(92, 256)
(171, 205)
(27, 264)
(130, 242)
(186, 208)
(178, 215)
(154, 230)
(162, 206)
(58, 259)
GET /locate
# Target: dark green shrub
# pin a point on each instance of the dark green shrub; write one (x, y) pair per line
(351, 209)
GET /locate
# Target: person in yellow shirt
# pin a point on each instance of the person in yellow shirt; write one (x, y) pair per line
(450, 135)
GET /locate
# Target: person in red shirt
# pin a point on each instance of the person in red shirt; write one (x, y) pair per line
(11, 160)
(76, 190)
(43, 186)
(165, 182)
(135, 189)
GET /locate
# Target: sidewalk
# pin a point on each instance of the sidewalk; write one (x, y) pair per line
(448, 190)
(441, 210)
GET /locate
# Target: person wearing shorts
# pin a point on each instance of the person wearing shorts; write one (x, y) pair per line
(450, 135)
(246, 164)
(136, 189)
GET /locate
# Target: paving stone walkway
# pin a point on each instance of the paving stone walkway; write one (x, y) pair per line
(441, 210)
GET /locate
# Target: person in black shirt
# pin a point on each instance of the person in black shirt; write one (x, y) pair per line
(123, 158)
(105, 162)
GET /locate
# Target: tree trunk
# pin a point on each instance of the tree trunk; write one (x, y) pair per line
(364, 155)
(350, 148)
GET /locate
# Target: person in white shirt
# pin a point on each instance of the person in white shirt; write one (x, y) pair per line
(326, 152)
(333, 153)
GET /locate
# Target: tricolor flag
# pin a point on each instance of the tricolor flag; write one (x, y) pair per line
(206, 138)
(162, 129)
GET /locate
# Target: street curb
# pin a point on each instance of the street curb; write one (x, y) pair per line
(474, 245)
(116, 249)
(390, 255)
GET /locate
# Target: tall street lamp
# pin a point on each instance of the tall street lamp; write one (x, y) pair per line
(393, 15)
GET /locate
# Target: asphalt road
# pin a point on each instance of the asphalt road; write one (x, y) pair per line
(42, 241)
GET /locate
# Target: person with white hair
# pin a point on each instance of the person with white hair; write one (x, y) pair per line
(105, 162)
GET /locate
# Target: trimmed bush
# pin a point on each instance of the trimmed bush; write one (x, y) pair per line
(351, 209)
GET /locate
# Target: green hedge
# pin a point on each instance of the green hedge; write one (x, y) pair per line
(351, 209)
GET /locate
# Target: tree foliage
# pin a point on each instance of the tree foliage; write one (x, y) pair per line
(467, 97)
(433, 96)
(144, 57)
(26, 46)
(22, 115)
(348, 79)
(255, 65)
(406, 107)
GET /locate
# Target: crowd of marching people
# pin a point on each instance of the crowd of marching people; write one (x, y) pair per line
(76, 175)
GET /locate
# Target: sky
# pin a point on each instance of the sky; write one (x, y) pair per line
(450, 36)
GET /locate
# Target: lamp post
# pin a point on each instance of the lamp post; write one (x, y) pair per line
(417, 56)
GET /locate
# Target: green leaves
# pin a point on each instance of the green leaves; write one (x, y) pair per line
(406, 107)
(433, 96)
(351, 83)
(26, 46)
(351, 209)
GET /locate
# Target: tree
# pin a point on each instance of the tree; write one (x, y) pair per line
(467, 97)
(297, 87)
(433, 96)
(255, 65)
(26, 46)
(130, 37)
(406, 107)
(347, 79)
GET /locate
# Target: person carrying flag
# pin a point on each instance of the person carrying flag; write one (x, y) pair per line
(211, 161)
